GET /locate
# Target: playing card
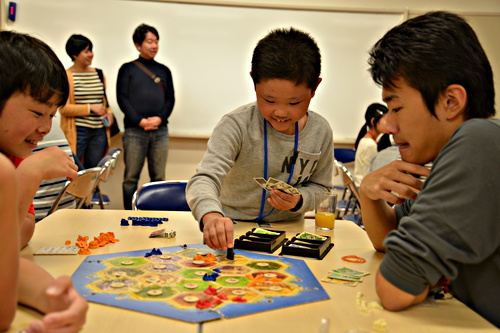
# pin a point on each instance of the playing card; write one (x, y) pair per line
(341, 282)
(350, 271)
(333, 275)
(65, 249)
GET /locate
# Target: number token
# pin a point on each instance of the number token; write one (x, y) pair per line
(155, 292)
(232, 280)
(191, 285)
(127, 262)
(159, 266)
(200, 273)
(117, 285)
(198, 262)
(165, 257)
(270, 275)
(119, 273)
(239, 292)
(262, 264)
(275, 288)
(190, 299)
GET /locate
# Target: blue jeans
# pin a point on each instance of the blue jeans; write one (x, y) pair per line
(90, 145)
(137, 146)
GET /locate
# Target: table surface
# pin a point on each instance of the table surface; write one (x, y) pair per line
(441, 316)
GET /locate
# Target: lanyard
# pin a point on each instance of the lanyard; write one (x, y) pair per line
(293, 161)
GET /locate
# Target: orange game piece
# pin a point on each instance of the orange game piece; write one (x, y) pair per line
(93, 245)
(210, 257)
(354, 259)
(68, 242)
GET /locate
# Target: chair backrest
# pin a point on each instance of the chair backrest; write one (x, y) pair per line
(348, 181)
(82, 187)
(114, 153)
(169, 195)
(344, 155)
(106, 164)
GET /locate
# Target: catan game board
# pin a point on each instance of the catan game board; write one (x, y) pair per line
(194, 283)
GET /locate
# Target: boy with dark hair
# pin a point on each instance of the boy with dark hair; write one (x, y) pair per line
(276, 136)
(145, 94)
(32, 89)
(438, 85)
(33, 86)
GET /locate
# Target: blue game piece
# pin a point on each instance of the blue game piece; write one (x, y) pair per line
(124, 222)
(217, 270)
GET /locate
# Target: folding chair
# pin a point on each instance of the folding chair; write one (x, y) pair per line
(111, 158)
(353, 201)
(169, 195)
(81, 188)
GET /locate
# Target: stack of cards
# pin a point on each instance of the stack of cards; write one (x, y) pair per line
(345, 276)
(275, 184)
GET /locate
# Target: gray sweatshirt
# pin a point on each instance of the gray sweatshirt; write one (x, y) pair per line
(224, 179)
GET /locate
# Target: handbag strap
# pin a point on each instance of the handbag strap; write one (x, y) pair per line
(153, 77)
(101, 77)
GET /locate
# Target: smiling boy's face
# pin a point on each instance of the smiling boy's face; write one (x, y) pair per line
(23, 123)
(282, 103)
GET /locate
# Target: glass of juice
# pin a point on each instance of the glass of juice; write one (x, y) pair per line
(325, 204)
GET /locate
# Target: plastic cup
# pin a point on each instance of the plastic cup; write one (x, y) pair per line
(325, 204)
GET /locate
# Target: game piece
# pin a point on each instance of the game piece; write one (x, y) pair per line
(127, 262)
(232, 280)
(120, 273)
(199, 262)
(159, 267)
(67, 249)
(354, 259)
(191, 285)
(252, 286)
(230, 253)
(155, 292)
(117, 284)
(124, 222)
(380, 325)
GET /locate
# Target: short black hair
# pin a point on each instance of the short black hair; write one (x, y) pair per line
(76, 44)
(288, 54)
(141, 32)
(431, 52)
(29, 66)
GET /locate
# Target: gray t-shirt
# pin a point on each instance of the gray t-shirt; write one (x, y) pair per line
(451, 230)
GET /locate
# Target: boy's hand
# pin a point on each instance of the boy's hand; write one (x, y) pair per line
(51, 163)
(67, 309)
(218, 231)
(394, 182)
(283, 201)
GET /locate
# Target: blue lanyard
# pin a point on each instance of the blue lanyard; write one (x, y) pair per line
(293, 161)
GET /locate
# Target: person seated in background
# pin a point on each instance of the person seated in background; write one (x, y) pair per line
(29, 100)
(49, 190)
(441, 98)
(276, 136)
(367, 141)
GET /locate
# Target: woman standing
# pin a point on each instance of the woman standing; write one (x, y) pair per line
(87, 117)
(366, 142)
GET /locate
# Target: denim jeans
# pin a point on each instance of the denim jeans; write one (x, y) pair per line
(90, 145)
(137, 146)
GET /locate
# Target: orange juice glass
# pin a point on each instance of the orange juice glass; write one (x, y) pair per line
(325, 204)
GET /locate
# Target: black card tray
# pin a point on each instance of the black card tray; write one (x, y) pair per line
(260, 242)
(310, 248)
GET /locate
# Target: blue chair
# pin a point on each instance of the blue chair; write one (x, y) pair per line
(344, 155)
(169, 195)
(352, 203)
(356, 218)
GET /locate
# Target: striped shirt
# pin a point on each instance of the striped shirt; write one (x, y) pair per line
(88, 90)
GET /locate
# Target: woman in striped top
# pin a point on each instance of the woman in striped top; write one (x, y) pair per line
(87, 116)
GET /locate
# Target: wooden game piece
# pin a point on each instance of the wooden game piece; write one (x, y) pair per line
(199, 262)
(232, 280)
(159, 266)
(165, 257)
(262, 264)
(270, 275)
(200, 273)
(152, 280)
(191, 285)
(230, 254)
(120, 273)
(239, 292)
(127, 262)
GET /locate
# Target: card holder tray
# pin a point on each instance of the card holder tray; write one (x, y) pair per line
(310, 248)
(260, 242)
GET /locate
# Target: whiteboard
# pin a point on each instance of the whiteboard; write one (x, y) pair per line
(209, 49)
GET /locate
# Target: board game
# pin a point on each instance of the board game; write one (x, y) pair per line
(194, 283)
